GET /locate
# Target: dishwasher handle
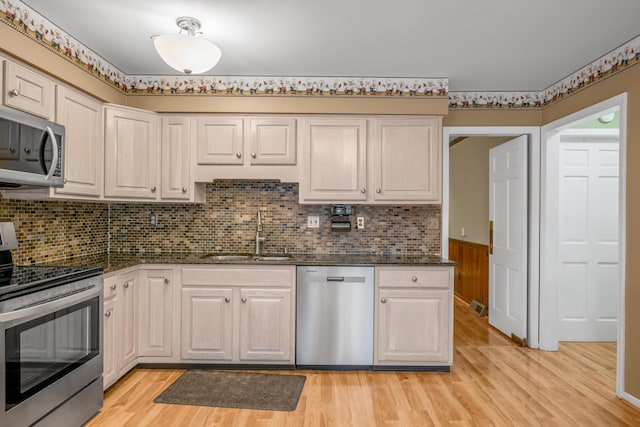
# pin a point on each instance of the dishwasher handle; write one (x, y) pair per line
(335, 279)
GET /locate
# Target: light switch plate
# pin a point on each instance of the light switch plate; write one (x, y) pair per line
(313, 221)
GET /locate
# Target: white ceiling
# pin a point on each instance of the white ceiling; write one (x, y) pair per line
(480, 45)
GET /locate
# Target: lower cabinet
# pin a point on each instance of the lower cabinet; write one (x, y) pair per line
(234, 314)
(120, 342)
(155, 310)
(414, 316)
(207, 318)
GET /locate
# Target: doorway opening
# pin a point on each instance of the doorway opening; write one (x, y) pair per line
(583, 227)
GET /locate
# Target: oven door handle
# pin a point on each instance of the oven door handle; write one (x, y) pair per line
(51, 305)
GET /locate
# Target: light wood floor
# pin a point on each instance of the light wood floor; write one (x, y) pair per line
(492, 383)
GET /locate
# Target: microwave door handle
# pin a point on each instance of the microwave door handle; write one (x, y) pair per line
(48, 132)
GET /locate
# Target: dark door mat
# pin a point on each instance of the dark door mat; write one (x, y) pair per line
(271, 392)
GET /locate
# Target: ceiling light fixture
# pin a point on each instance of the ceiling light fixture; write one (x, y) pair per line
(187, 51)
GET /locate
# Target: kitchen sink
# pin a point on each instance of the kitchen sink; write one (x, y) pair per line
(271, 257)
(229, 257)
(247, 257)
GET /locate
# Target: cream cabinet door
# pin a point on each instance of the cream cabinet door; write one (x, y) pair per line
(28, 91)
(407, 160)
(207, 328)
(219, 141)
(334, 160)
(175, 165)
(272, 141)
(110, 340)
(266, 324)
(82, 118)
(131, 153)
(413, 326)
(155, 326)
(128, 317)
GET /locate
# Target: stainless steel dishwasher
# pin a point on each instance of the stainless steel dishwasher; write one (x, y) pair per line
(334, 315)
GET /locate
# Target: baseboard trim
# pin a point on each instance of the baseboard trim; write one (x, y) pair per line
(631, 399)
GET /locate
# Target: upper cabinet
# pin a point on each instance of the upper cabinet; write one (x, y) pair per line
(82, 118)
(245, 147)
(272, 140)
(334, 160)
(175, 173)
(406, 160)
(131, 153)
(27, 90)
(371, 161)
(220, 141)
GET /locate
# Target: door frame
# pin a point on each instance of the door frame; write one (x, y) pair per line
(548, 294)
(533, 132)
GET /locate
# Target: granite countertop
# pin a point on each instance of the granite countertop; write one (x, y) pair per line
(113, 262)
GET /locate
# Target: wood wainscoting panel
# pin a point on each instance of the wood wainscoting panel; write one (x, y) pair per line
(471, 276)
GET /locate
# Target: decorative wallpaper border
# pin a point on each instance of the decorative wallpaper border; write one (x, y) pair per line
(35, 26)
(607, 65)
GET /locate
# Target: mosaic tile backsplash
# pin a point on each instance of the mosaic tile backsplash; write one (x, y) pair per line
(227, 223)
(52, 230)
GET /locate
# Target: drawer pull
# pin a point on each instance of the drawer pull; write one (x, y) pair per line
(253, 155)
(107, 314)
(238, 154)
(113, 287)
(227, 299)
(414, 279)
(244, 300)
(166, 280)
(126, 285)
(184, 189)
(383, 300)
(14, 92)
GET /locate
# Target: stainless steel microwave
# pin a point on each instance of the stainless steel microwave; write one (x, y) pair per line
(31, 150)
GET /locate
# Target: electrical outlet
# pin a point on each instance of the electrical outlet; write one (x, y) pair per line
(433, 223)
(313, 221)
(360, 223)
(153, 219)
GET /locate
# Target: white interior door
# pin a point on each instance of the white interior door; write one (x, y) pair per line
(508, 195)
(588, 267)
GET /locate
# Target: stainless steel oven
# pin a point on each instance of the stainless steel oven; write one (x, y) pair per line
(50, 346)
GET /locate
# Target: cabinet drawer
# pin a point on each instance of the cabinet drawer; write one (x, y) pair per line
(239, 276)
(416, 277)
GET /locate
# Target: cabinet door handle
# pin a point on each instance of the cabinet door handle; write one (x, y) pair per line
(363, 190)
(107, 314)
(126, 285)
(153, 189)
(12, 150)
(244, 300)
(383, 300)
(414, 279)
(238, 154)
(254, 155)
(227, 299)
(113, 287)
(14, 92)
(27, 150)
(166, 280)
(378, 190)
(184, 189)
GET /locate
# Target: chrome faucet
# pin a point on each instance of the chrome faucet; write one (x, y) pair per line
(258, 231)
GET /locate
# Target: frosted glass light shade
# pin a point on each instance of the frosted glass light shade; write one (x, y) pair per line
(186, 53)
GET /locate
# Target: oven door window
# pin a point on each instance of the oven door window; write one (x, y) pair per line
(43, 350)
